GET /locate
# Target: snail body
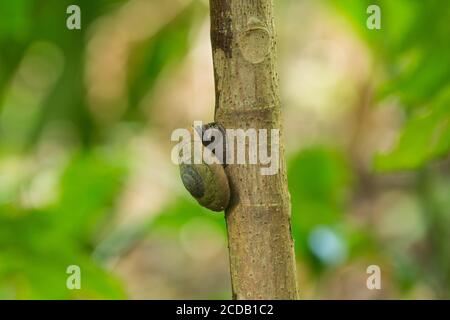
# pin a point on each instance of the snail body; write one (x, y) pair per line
(206, 179)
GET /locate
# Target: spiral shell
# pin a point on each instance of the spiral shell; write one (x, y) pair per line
(207, 181)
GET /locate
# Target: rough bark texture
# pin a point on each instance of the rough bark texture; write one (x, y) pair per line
(258, 219)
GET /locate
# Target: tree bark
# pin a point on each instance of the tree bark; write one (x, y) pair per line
(261, 249)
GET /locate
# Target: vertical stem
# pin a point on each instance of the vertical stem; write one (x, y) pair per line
(261, 250)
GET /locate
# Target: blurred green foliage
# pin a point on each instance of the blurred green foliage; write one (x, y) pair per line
(37, 246)
(321, 183)
(38, 242)
(413, 51)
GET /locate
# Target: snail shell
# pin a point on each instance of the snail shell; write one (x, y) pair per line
(207, 181)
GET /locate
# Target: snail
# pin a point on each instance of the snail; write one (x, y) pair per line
(202, 172)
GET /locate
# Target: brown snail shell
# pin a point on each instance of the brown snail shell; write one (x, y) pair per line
(207, 181)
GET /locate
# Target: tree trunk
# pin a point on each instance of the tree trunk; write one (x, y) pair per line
(261, 250)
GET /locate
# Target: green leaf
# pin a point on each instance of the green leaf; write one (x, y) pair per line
(89, 187)
(426, 136)
(33, 268)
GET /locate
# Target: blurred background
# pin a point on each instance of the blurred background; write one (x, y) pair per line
(85, 171)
